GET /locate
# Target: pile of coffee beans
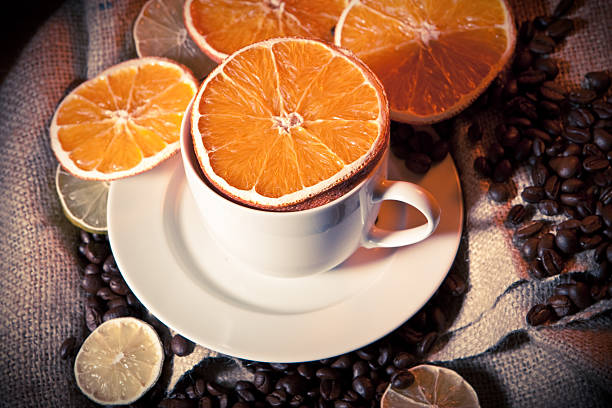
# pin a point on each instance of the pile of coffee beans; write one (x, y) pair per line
(420, 147)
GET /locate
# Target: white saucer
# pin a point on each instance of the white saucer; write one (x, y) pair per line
(180, 274)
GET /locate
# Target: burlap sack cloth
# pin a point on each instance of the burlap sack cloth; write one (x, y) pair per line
(509, 364)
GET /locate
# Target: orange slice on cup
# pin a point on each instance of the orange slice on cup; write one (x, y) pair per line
(124, 121)
(434, 58)
(221, 28)
(289, 124)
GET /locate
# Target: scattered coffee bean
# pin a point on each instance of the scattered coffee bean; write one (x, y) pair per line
(542, 44)
(598, 81)
(183, 347)
(68, 348)
(538, 315)
(529, 229)
(560, 304)
(560, 28)
(499, 192)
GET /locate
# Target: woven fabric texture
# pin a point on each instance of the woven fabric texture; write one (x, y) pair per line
(509, 364)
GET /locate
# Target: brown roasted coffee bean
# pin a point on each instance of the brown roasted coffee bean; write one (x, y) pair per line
(552, 127)
(567, 241)
(440, 150)
(533, 194)
(529, 229)
(91, 269)
(562, 8)
(105, 293)
(603, 139)
(526, 31)
(580, 294)
(591, 149)
(364, 387)
(569, 224)
(561, 305)
(293, 384)
(92, 283)
(85, 236)
(116, 302)
(590, 242)
(495, 152)
(542, 22)
(536, 270)
(453, 284)
(263, 381)
(118, 286)
(552, 187)
(605, 196)
(328, 373)
(602, 109)
(119, 311)
(552, 262)
(571, 200)
(595, 163)
(522, 150)
(499, 192)
(539, 314)
(551, 91)
(542, 44)
(502, 171)
(529, 249)
(531, 76)
(539, 174)
(344, 362)
(426, 343)
(330, 389)
(591, 224)
(548, 66)
(560, 28)
(96, 252)
(509, 138)
(556, 148)
(523, 58)
(93, 317)
(109, 265)
(522, 106)
(577, 135)
(598, 81)
(516, 121)
(572, 149)
(565, 167)
(538, 148)
(68, 348)
(474, 132)
(549, 207)
(580, 117)
(572, 185)
(547, 241)
(582, 96)
(182, 347)
(402, 379)
(606, 214)
(549, 109)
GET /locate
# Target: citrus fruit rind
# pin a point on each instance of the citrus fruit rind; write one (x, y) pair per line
(119, 361)
(221, 28)
(159, 31)
(319, 125)
(83, 201)
(123, 121)
(434, 58)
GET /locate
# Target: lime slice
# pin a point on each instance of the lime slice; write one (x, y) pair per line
(433, 386)
(119, 361)
(159, 31)
(83, 201)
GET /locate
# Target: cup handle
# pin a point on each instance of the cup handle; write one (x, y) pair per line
(411, 194)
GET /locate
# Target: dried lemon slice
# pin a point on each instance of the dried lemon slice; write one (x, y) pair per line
(119, 361)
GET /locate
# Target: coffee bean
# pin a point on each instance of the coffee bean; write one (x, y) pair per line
(292, 384)
(93, 317)
(330, 389)
(105, 293)
(582, 96)
(598, 81)
(68, 348)
(440, 150)
(549, 207)
(552, 127)
(552, 262)
(571, 200)
(109, 265)
(595, 163)
(96, 252)
(516, 215)
(277, 398)
(119, 311)
(474, 132)
(591, 149)
(526, 31)
(580, 294)
(91, 269)
(495, 152)
(455, 285)
(116, 302)
(538, 315)
(603, 139)
(549, 109)
(541, 44)
(548, 66)
(591, 224)
(542, 22)
(560, 28)
(263, 381)
(509, 138)
(569, 224)
(522, 150)
(182, 347)
(502, 171)
(424, 346)
(529, 249)
(590, 242)
(402, 379)
(523, 59)
(531, 76)
(551, 91)
(603, 110)
(418, 163)
(567, 241)
(577, 135)
(580, 117)
(499, 192)
(92, 283)
(364, 387)
(572, 185)
(562, 8)
(85, 237)
(561, 305)
(533, 194)
(536, 270)
(565, 167)
(529, 229)
(118, 286)
(328, 373)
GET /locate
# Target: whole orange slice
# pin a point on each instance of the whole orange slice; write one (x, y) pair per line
(433, 57)
(221, 27)
(288, 124)
(124, 121)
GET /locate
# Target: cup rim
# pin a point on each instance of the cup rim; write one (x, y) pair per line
(186, 143)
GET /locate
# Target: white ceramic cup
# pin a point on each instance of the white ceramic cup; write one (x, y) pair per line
(299, 243)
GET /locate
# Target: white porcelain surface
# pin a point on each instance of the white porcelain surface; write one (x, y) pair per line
(300, 243)
(183, 277)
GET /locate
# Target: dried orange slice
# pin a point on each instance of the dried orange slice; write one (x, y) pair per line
(433, 57)
(119, 361)
(223, 27)
(124, 121)
(289, 124)
(434, 387)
